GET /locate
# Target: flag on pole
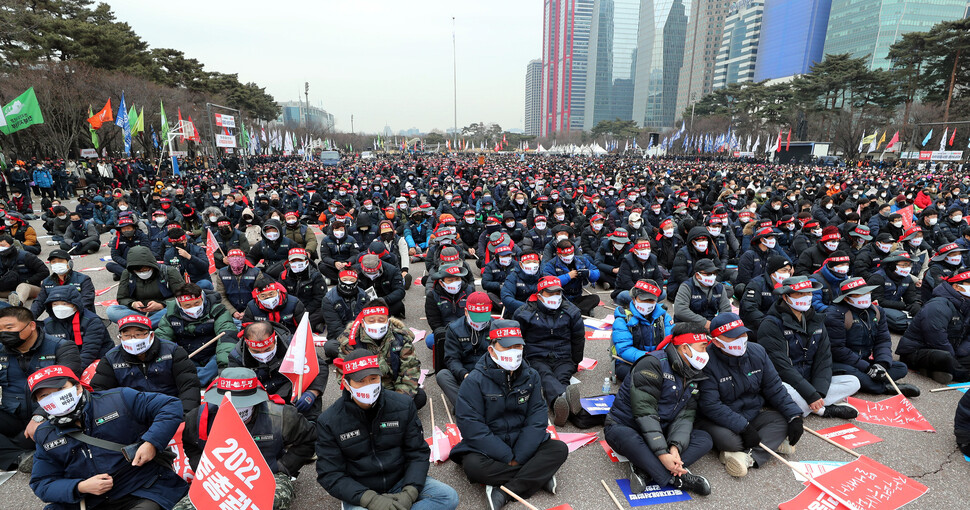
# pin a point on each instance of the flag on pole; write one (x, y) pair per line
(164, 140)
(96, 120)
(778, 145)
(94, 134)
(140, 125)
(175, 166)
(882, 139)
(121, 120)
(928, 136)
(300, 364)
(211, 247)
(943, 140)
(3, 120)
(180, 126)
(133, 120)
(22, 112)
(872, 142)
(155, 139)
(892, 142)
(953, 136)
(862, 142)
(788, 142)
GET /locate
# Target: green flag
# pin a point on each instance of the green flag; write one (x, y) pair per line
(22, 112)
(164, 139)
(244, 136)
(133, 120)
(94, 134)
(141, 120)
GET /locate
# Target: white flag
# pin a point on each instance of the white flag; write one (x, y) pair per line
(943, 140)
(3, 121)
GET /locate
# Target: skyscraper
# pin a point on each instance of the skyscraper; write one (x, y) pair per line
(612, 59)
(565, 53)
(660, 55)
(738, 53)
(792, 37)
(700, 50)
(869, 27)
(533, 97)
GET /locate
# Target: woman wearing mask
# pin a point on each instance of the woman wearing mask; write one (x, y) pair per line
(639, 326)
(520, 284)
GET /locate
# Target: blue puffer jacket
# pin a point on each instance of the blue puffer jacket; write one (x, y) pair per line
(501, 414)
(84, 329)
(494, 275)
(43, 178)
(517, 289)
(571, 287)
(634, 335)
(196, 266)
(105, 215)
(15, 367)
(79, 281)
(123, 416)
(737, 387)
(822, 299)
(121, 245)
(558, 334)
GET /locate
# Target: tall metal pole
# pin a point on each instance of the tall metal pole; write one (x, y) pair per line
(306, 93)
(454, 54)
(351, 124)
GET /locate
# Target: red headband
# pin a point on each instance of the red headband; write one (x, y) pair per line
(186, 298)
(648, 288)
(836, 259)
(566, 251)
(223, 224)
(349, 367)
(548, 281)
(959, 277)
(374, 310)
(346, 273)
(727, 327)
(454, 270)
(450, 258)
(505, 333)
(686, 338)
(178, 239)
(260, 344)
(641, 245)
(50, 372)
(835, 235)
(237, 384)
(807, 284)
(853, 284)
(530, 257)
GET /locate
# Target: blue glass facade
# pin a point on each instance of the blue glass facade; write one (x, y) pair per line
(661, 39)
(612, 60)
(792, 37)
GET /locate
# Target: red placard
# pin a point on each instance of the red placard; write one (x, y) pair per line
(869, 485)
(614, 457)
(895, 411)
(812, 498)
(181, 464)
(232, 472)
(849, 435)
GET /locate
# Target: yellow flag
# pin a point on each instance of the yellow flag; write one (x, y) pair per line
(140, 126)
(871, 138)
(882, 140)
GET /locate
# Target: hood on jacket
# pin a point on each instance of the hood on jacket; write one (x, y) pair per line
(141, 256)
(272, 223)
(698, 232)
(63, 293)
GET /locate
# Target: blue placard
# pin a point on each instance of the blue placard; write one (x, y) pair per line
(654, 495)
(598, 405)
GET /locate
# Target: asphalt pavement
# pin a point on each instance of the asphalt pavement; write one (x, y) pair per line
(930, 458)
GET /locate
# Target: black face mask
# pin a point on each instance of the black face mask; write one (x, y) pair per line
(11, 339)
(78, 224)
(225, 230)
(347, 289)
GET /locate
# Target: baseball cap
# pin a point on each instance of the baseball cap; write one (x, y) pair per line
(479, 306)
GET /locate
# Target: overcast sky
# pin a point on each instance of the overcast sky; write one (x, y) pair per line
(386, 62)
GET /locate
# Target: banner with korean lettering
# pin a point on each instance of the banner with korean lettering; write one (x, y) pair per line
(232, 472)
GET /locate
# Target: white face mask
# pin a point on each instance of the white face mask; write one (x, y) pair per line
(264, 357)
(668, 233)
(520, 201)
(597, 227)
(898, 224)
(840, 269)
(365, 394)
(642, 254)
(636, 224)
(780, 277)
(932, 221)
(160, 221)
(769, 242)
(136, 346)
(60, 268)
(861, 302)
(737, 347)
(504, 261)
(817, 233)
(884, 247)
(831, 245)
(272, 236)
(706, 280)
(645, 309)
(60, 402)
(954, 260)
(560, 217)
(776, 207)
(477, 326)
(453, 287)
(700, 245)
(4, 248)
(551, 302)
(509, 360)
(618, 246)
(470, 220)
(63, 311)
(801, 304)
(245, 413)
(193, 312)
(904, 271)
(272, 302)
(698, 360)
(213, 219)
(916, 242)
(144, 275)
(964, 290)
(376, 331)
(299, 265)
(714, 231)
(530, 269)
(510, 224)
(567, 259)
(541, 225)
(956, 219)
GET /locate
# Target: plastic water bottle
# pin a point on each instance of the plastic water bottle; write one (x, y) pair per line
(606, 385)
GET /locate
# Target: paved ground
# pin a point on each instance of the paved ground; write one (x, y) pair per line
(933, 459)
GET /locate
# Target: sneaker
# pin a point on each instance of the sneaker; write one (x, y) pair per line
(26, 462)
(785, 448)
(908, 390)
(693, 483)
(550, 486)
(841, 410)
(116, 277)
(496, 497)
(941, 377)
(52, 243)
(736, 463)
(572, 397)
(638, 482)
(13, 299)
(560, 410)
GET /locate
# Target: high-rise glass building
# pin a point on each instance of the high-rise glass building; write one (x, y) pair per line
(533, 97)
(704, 29)
(738, 54)
(612, 61)
(867, 28)
(792, 37)
(660, 54)
(565, 55)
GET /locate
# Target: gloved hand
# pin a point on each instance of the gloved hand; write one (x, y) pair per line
(305, 402)
(408, 495)
(914, 309)
(385, 502)
(877, 372)
(795, 429)
(750, 437)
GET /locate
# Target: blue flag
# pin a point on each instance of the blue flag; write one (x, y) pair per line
(928, 136)
(121, 120)
(155, 139)
(175, 166)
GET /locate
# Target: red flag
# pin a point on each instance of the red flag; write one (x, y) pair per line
(195, 132)
(895, 411)
(211, 246)
(788, 142)
(104, 116)
(232, 472)
(300, 365)
(503, 139)
(893, 142)
(907, 214)
(778, 146)
(182, 137)
(181, 463)
(953, 136)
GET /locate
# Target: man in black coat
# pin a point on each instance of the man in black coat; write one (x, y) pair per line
(464, 344)
(937, 342)
(371, 451)
(504, 439)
